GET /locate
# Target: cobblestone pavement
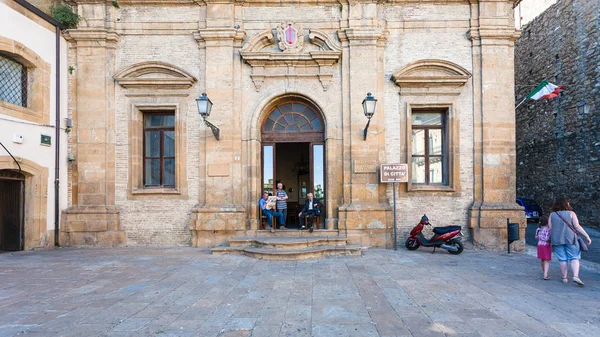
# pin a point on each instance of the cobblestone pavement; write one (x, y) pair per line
(185, 291)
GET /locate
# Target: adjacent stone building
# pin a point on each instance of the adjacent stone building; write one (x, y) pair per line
(558, 141)
(287, 79)
(33, 155)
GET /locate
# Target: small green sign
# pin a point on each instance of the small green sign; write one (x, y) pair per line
(46, 140)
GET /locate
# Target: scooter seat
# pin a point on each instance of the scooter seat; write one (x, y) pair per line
(444, 230)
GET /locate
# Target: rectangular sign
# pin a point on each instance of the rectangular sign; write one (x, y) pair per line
(393, 173)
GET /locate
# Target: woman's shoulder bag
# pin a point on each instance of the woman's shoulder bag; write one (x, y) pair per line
(582, 245)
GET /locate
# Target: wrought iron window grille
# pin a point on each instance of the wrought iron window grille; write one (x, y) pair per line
(13, 81)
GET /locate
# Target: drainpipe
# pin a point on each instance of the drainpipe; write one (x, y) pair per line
(57, 150)
(56, 24)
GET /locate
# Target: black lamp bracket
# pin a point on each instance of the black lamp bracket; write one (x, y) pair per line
(215, 130)
(366, 129)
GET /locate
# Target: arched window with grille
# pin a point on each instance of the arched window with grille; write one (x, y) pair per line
(13, 81)
(293, 120)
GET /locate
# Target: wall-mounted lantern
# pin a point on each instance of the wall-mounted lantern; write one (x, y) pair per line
(204, 107)
(368, 104)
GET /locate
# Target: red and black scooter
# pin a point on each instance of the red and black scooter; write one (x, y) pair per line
(444, 237)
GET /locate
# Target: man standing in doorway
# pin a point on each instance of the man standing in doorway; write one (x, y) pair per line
(311, 208)
(281, 200)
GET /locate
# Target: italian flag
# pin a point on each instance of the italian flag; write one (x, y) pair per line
(545, 90)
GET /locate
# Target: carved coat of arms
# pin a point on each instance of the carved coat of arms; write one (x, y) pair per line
(290, 36)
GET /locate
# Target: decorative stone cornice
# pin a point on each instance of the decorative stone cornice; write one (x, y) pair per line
(323, 40)
(166, 76)
(218, 36)
(364, 36)
(431, 77)
(287, 64)
(259, 41)
(493, 33)
(92, 37)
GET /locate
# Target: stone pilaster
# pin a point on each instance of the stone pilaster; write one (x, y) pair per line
(220, 213)
(365, 217)
(493, 35)
(93, 218)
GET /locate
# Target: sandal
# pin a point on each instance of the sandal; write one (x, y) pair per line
(565, 280)
(546, 277)
(272, 230)
(578, 281)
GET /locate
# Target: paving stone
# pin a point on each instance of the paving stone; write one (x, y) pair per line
(266, 330)
(14, 329)
(570, 329)
(113, 333)
(347, 330)
(339, 312)
(144, 291)
(132, 324)
(296, 329)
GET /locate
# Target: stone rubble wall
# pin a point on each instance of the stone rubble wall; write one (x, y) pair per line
(558, 141)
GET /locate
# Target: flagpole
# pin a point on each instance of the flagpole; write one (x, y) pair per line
(518, 105)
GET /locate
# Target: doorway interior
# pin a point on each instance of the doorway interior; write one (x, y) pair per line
(299, 166)
(12, 210)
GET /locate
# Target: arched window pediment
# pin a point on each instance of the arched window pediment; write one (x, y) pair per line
(158, 75)
(428, 73)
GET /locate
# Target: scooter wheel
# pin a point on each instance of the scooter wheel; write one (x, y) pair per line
(458, 245)
(411, 244)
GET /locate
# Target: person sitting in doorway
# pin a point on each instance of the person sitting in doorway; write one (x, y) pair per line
(311, 208)
(268, 210)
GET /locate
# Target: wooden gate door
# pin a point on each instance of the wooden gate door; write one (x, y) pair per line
(12, 202)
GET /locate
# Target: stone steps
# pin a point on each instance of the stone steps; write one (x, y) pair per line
(291, 254)
(283, 242)
(293, 247)
(296, 232)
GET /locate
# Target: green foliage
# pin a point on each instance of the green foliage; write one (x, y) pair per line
(71, 68)
(115, 4)
(64, 14)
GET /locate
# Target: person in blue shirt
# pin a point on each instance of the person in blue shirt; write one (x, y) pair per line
(269, 212)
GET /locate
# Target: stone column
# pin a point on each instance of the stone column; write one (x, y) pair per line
(93, 218)
(365, 215)
(220, 213)
(493, 35)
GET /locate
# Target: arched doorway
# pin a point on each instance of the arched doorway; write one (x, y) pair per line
(12, 210)
(293, 153)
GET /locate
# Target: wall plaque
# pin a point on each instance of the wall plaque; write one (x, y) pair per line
(218, 170)
(365, 166)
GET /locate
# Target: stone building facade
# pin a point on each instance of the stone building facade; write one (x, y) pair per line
(286, 79)
(558, 141)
